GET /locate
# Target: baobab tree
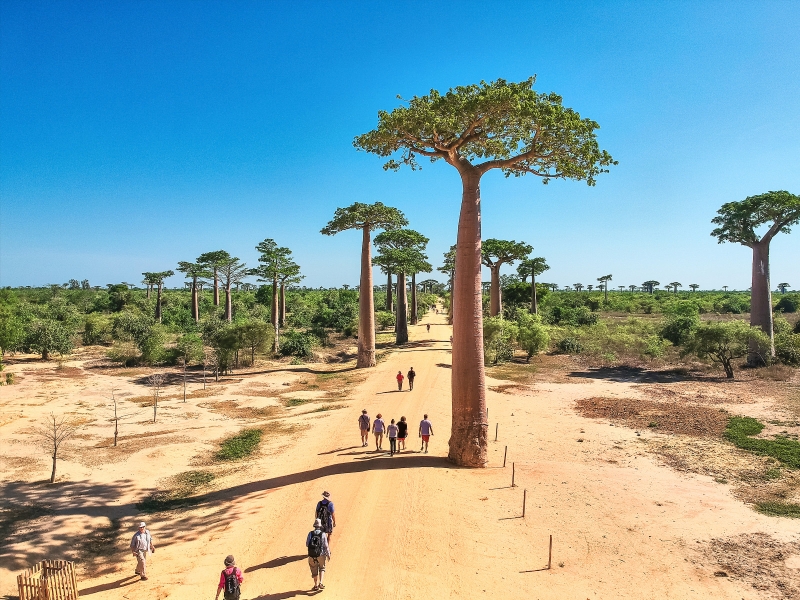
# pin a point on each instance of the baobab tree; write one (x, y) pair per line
(494, 254)
(675, 285)
(401, 261)
(783, 287)
(415, 243)
(231, 272)
(477, 128)
(149, 281)
(650, 285)
(290, 274)
(693, 287)
(274, 261)
(578, 286)
(590, 287)
(195, 271)
(212, 261)
(533, 267)
(367, 218)
(737, 222)
(158, 280)
(604, 282)
(632, 288)
(724, 288)
(388, 288)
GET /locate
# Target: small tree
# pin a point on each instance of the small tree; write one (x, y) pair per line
(49, 335)
(494, 254)
(52, 434)
(533, 267)
(578, 286)
(737, 222)
(783, 287)
(231, 271)
(650, 285)
(274, 260)
(724, 342)
(212, 261)
(255, 336)
(532, 336)
(156, 382)
(693, 287)
(194, 271)
(158, 280)
(190, 349)
(117, 417)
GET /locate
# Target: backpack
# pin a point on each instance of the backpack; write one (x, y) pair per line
(324, 513)
(231, 590)
(315, 544)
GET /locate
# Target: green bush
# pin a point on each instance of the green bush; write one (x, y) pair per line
(239, 446)
(384, 319)
(297, 343)
(569, 345)
(565, 315)
(787, 348)
(724, 342)
(789, 303)
(499, 336)
(97, 330)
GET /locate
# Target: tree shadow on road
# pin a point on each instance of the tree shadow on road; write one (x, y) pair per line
(112, 585)
(285, 595)
(628, 374)
(276, 562)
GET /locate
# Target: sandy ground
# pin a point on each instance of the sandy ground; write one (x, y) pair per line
(410, 526)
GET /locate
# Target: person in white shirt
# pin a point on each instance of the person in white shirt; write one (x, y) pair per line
(425, 432)
(392, 431)
(141, 544)
(377, 428)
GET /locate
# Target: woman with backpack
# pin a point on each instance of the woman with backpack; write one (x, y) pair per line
(230, 580)
(318, 554)
(402, 434)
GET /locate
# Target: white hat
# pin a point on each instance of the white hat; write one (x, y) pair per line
(317, 523)
(142, 524)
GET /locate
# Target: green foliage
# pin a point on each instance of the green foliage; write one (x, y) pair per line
(97, 330)
(632, 340)
(788, 303)
(499, 338)
(190, 347)
(359, 215)
(297, 343)
(384, 319)
(47, 336)
(506, 125)
(740, 430)
(682, 318)
(496, 252)
(569, 345)
(532, 336)
(737, 221)
(723, 342)
(565, 315)
(12, 329)
(779, 509)
(787, 348)
(239, 446)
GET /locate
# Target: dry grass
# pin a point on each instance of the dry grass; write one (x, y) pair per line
(664, 418)
(232, 410)
(759, 560)
(544, 367)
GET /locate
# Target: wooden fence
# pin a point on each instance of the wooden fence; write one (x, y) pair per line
(49, 580)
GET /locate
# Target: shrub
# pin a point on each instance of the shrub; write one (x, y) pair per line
(384, 319)
(723, 342)
(97, 330)
(787, 348)
(533, 338)
(565, 315)
(297, 343)
(569, 345)
(499, 336)
(123, 352)
(48, 335)
(736, 305)
(788, 303)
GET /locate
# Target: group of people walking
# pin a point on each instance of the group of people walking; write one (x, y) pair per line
(411, 376)
(397, 432)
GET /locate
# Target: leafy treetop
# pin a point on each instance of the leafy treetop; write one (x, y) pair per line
(401, 239)
(496, 252)
(449, 261)
(495, 125)
(274, 260)
(403, 260)
(359, 215)
(193, 270)
(213, 260)
(738, 221)
(532, 266)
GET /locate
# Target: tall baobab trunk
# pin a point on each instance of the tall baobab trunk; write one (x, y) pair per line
(274, 315)
(401, 328)
(452, 297)
(158, 303)
(534, 304)
(389, 292)
(495, 306)
(366, 307)
(149, 287)
(216, 287)
(228, 304)
(468, 438)
(282, 307)
(761, 301)
(195, 302)
(414, 299)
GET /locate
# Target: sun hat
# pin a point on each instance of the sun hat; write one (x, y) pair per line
(364, 411)
(142, 524)
(317, 523)
(326, 494)
(229, 560)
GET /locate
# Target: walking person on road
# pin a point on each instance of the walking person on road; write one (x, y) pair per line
(399, 381)
(363, 425)
(402, 434)
(230, 580)
(326, 516)
(319, 553)
(411, 375)
(429, 327)
(377, 428)
(141, 544)
(392, 431)
(425, 432)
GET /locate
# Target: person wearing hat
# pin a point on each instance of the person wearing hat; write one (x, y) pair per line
(319, 553)
(141, 544)
(230, 580)
(363, 425)
(324, 512)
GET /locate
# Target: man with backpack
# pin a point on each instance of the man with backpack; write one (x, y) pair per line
(363, 425)
(230, 580)
(411, 375)
(326, 516)
(319, 553)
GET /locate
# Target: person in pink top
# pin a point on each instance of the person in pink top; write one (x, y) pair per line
(230, 580)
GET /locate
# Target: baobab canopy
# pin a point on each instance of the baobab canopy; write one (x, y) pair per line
(507, 125)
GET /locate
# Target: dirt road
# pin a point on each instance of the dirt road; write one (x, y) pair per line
(413, 526)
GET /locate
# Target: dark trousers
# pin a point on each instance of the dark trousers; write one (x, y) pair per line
(392, 445)
(411, 383)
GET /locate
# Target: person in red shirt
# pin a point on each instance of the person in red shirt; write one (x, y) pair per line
(230, 580)
(400, 381)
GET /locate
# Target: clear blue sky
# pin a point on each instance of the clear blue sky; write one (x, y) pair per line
(137, 134)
